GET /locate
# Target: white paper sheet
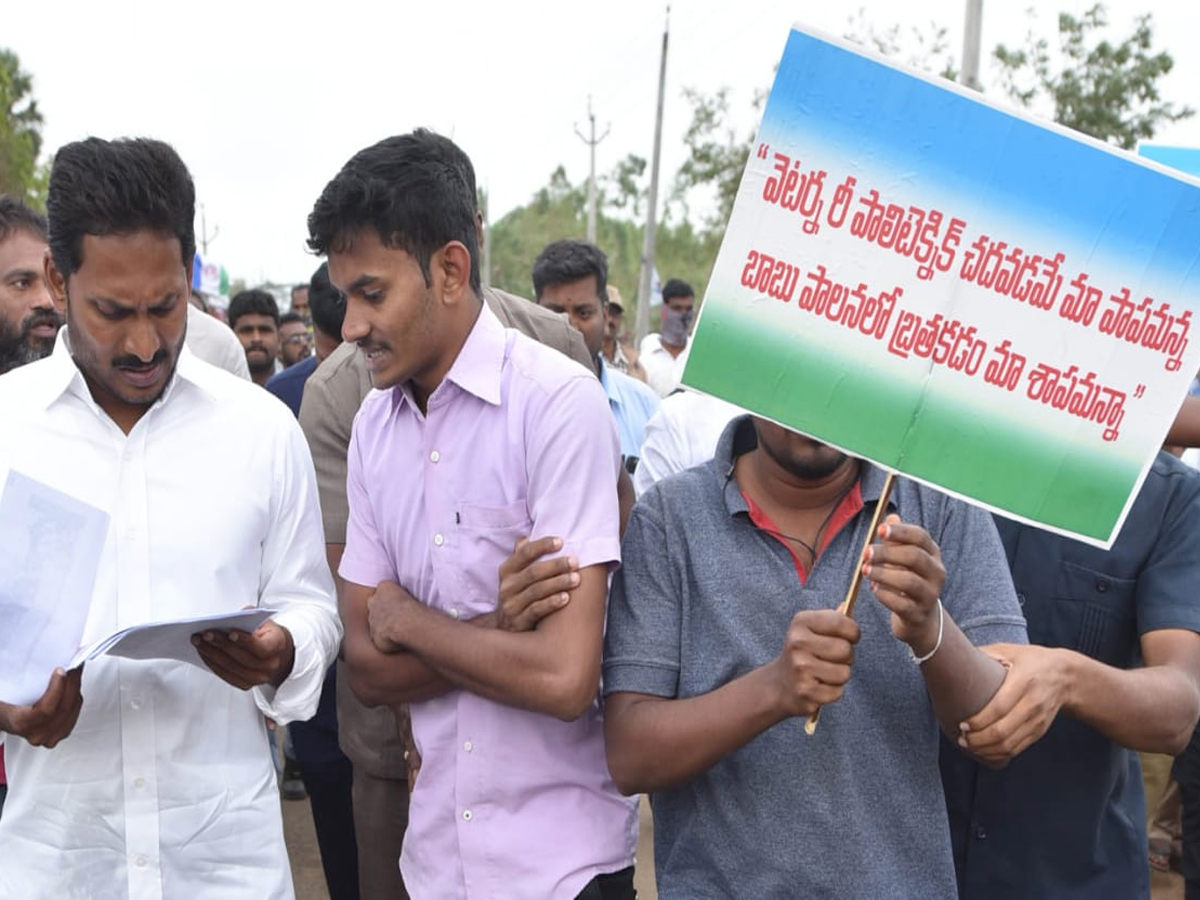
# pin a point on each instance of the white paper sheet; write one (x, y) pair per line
(50, 546)
(170, 640)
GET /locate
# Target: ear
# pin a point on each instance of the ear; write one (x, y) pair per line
(55, 281)
(452, 265)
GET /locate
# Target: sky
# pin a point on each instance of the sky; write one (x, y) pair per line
(266, 100)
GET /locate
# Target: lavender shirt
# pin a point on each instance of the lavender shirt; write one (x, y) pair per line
(518, 441)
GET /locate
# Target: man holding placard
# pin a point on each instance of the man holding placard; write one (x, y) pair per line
(981, 302)
(725, 564)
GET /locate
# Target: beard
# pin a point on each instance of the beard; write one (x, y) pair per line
(817, 465)
(17, 348)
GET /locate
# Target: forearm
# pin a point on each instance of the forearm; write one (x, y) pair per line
(1152, 710)
(389, 679)
(655, 744)
(400, 676)
(528, 670)
(959, 677)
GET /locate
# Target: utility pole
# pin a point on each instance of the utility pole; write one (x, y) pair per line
(591, 141)
(205, 237)
(642, 321)
(972, 39)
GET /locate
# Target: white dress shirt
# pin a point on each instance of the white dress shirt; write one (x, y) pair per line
(166, 788)
(214, 342)
(663, 370)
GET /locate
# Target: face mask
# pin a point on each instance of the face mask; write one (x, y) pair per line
(675, 326)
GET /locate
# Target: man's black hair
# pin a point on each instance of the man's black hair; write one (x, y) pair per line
(326, 304)
(252, 302)
(417, 191)
(677, 288)
(103, 187)
(290, 316)
(570, 260)
(297, 287)
(16, 216)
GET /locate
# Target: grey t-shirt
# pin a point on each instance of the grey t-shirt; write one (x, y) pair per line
(702, 597)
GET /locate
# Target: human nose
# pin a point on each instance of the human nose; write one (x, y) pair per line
(40, 298)
(354, 325)
(142, 339)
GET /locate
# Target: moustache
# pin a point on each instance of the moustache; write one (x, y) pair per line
(132, 362)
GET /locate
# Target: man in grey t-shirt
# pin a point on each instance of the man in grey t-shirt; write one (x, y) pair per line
(723, 636)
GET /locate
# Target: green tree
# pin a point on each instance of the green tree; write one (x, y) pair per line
(717, 155)
(1107, 90)
(559, 210)
(20, 133)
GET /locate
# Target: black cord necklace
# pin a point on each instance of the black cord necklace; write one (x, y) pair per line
(812, 551)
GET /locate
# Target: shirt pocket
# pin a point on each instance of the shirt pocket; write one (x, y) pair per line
(487, 536)
(1102, 613)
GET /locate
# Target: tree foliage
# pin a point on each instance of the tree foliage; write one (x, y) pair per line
(20, 133)
(1107, 90)
(916, 46)
(559, 210)
(717, 156)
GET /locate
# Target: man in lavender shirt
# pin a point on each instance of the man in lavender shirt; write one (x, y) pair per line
(474, 437)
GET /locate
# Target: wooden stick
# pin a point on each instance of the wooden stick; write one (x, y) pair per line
(847, 605)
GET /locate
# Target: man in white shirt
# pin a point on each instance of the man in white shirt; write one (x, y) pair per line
(159, 783)
(683, 433)
(662, 355)
(214, 342)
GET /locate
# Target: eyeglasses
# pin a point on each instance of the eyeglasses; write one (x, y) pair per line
(296, 339)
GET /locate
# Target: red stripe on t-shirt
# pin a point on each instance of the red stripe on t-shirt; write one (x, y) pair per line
(846, 510)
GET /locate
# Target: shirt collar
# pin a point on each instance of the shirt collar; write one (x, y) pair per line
(739, 437)
(610, 390)
(479, 363)
(67, 378)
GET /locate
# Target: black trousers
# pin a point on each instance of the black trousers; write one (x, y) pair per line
(329, 789)
(612, 886)
(1186, 772)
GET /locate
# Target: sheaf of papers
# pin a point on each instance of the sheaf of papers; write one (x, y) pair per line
(50, 546)
(169, 640)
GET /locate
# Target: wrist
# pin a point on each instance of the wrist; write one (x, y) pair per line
(398, 625)
(923, 639)
(922, 651)
(287, 659)
(1068, 664)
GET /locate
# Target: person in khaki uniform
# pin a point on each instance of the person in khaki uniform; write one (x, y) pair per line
(371, 737)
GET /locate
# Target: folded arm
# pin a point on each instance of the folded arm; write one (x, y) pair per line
(555, 668)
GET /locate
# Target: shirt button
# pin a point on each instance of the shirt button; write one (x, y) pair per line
(139, 783)
(140, 862)
(135, 704)
(434, 456)
(468, 746)
(438, 540)
(1101, 586)
(454, 613)
(466, 815)
(980, 833)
